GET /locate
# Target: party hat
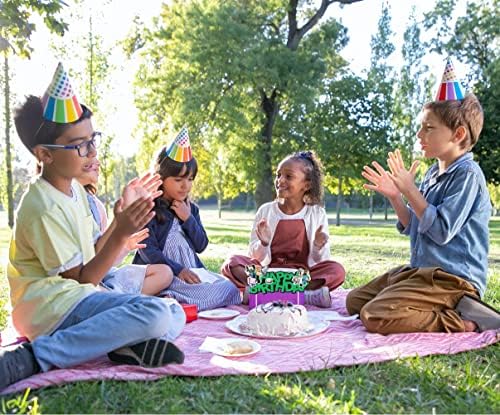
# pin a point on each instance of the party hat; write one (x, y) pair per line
(180, 149)
(59, 101)
(450, 87)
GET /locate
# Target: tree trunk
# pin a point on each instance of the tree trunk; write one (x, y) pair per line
(8, 155)
(264, 191)
(219, 204)
(385, 208)
(339, 201)
(370, 210)
(248, 201)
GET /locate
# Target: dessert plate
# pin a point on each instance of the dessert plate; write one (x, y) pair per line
(218, 314)
(236, 347)
(239, 326)
(331, 315)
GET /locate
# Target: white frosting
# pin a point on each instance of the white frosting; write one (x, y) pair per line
(277, 320)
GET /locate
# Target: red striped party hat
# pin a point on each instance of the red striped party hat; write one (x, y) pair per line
(450, 87)
(180, 149)
(60, 103)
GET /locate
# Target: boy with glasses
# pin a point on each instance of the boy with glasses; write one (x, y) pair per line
(57, 256)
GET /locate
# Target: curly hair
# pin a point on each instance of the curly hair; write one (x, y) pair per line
(313, 170)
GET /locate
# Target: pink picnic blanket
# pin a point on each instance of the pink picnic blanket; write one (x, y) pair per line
(344, 343)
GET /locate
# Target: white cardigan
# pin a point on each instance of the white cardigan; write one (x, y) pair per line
(313, 215)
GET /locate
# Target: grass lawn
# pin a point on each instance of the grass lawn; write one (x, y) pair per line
(463, 383)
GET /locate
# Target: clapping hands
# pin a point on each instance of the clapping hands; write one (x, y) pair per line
(132, 211)
(320, 238)
(144, 186)
(403, 179)
(263, 232)
(390, 184)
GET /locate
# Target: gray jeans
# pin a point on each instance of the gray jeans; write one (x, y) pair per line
(106, 321)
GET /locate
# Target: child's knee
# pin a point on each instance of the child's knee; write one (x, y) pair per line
(353, 304)
(377, 322)
(158, 315)
(161, 272)
(340, 272)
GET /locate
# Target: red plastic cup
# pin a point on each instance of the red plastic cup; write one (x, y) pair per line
(191, 311)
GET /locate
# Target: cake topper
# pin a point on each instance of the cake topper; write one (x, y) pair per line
(270, 285)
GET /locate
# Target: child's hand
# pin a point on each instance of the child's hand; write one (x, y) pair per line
(134, 241)
(263, 232)
(182, 209)
(144, 186)
(403, 179)
(382, 182)
(189, 276)
(133, 218)
(320, 238)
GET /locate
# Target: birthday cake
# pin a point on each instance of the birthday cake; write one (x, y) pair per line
(278, 319)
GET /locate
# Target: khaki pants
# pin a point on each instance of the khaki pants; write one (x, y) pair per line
(406, 300)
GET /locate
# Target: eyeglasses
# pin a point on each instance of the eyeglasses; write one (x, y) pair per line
(84, 148)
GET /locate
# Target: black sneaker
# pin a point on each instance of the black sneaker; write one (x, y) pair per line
(16, 364)
(473, 309)
(151, 353)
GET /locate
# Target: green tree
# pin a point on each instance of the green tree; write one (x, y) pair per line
(338, 127)
(410, 94)
(16, 28)
(91, 71)
(236, 66)
(380, 82)
(475, 39)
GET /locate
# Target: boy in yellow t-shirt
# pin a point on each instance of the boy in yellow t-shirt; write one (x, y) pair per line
(57, 256)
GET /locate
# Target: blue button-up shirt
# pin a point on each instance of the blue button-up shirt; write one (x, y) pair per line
(453, 231)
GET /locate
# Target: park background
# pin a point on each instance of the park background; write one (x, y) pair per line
(254, 80)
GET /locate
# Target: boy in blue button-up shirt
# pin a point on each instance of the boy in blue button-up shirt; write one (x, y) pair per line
(447, 221)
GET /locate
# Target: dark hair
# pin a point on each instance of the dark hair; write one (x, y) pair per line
(91, 189)
(33, 129)
(167, 167)
(313, 170)
(467, 113)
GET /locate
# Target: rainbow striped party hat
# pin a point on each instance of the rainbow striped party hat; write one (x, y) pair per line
(180, 149)
(450, 87)
(59, 101)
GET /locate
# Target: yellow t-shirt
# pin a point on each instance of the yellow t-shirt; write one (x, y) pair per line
(53, 232)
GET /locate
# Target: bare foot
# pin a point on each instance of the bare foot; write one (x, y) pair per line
(244, 299)
(469, 326)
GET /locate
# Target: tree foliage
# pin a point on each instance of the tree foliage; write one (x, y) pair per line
(16, 28)
(412, 89)
(240, 74)
(475, 40)
(16, 22)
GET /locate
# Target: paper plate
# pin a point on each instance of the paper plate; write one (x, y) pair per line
(331, 315)
(218, 314)
(236, 347)
(239, 326)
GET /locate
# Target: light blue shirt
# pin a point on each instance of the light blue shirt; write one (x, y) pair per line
(453, 233)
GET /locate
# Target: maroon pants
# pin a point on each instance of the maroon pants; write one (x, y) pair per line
(331, 273)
